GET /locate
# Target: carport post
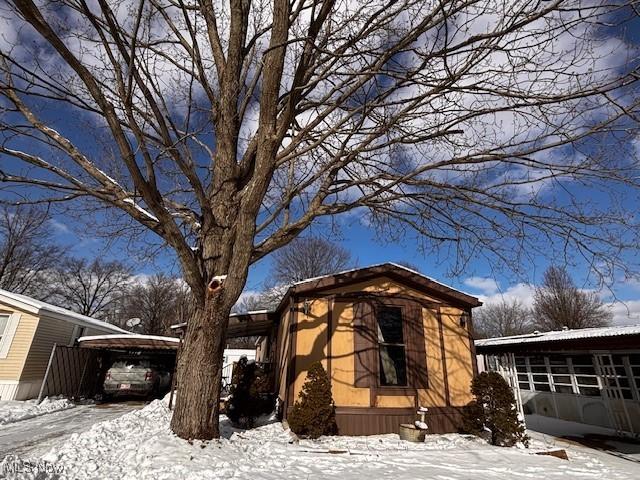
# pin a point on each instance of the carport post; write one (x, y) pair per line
(173, 374)
(46, 373)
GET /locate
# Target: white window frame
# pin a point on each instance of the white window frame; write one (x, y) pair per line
(8, 334)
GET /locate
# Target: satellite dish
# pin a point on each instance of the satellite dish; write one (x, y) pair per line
(133, 322)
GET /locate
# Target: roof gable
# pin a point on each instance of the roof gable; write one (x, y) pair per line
(40, 308)
(396, 272)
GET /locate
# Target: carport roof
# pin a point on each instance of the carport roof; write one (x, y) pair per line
(129, 342)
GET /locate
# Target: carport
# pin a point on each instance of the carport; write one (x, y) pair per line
(78, 371)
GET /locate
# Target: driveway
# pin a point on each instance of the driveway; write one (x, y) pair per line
(33, 437)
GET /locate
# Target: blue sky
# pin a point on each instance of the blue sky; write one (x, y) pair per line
(352, 233)
(478, 276)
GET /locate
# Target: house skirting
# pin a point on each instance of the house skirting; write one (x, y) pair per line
(374, 421)
(19, 390)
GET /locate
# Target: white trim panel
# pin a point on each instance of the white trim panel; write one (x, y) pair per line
(9, 333)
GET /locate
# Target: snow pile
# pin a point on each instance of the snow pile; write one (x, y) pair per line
(139, 445)
(13, 410)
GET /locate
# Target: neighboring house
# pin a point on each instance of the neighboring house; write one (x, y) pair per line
(588, 376)
(391, 339)
(28, 330)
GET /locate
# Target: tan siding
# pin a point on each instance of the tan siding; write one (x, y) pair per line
(384, 286)
(49, 331)
(93, 331)
(311, 339)
(458, 353)
(435, 395)
(11, 367)
(345, 394)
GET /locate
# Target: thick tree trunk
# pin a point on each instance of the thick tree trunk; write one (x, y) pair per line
(200, 371)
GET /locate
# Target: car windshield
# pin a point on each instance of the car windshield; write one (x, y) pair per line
(134, 363)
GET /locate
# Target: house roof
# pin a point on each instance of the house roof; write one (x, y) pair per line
(392, 270)
(556, 336)
(40, 308)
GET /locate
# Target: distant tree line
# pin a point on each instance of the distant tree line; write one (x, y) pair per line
(557, 303)
(33, 264)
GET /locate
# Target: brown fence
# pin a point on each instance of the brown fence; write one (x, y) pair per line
(73, 372)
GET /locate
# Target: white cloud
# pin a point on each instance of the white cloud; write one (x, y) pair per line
(59, 227)
(625, 312)
(486, 285)
(522, 292)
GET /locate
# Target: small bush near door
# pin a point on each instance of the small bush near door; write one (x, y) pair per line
(494, 411)
(313, 413)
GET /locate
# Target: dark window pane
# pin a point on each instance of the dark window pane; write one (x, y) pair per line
(563, 389)
(541, 378)
(559, 369)
(621, 371)
(523, 386)
(390, 325)
(624, 382)
(520, 361)
(542, 388)
(590, 391)
(562, 379)
(539, 369)
(521, 368)
(636, 371)
(393, 367)
(587, 380)
(627, 394)
(584, 370)
(536, 360)
(582, 360)
(523, 377)
(634, 359)
(617, 360)
(557, 360)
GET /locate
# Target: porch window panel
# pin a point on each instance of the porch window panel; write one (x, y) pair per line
(590, 391)
(563, 388)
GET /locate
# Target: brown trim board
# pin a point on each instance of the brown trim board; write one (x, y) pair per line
(444, 359)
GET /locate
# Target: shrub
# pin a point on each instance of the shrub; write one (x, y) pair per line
(494, 411)
(247, 402)
(313, 414)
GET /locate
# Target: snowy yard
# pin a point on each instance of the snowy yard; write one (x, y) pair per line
(139, 445)
(13, 410)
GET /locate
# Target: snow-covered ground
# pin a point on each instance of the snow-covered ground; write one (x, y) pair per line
(35, 436)
(13, 410)
(139, 445)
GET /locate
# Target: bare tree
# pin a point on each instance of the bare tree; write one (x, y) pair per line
(307, 258)
(559, 303)
(159, 302)
(28, 253)
(251, 302)
(228, 128)
(90, 288)
(502, 319)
